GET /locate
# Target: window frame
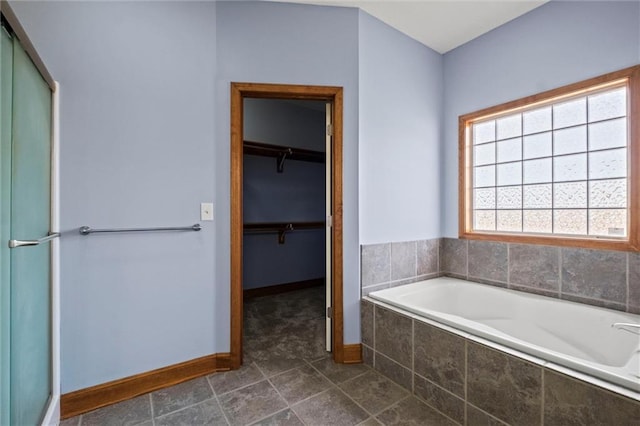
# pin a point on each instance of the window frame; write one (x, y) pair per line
(631, 77)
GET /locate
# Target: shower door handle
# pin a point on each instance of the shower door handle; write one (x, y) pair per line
(25, 243)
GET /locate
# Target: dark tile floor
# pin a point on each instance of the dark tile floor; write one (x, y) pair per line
(287, 379)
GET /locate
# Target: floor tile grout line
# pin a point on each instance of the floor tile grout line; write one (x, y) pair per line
(278, 392)
(331, 381)
(241, 387)
(368, 369)
(215, 396)
(186, 406)
(153, 416)
(491, 416)
(269, 415)
(309, 397)
(408, 394)
(424, 401)
(393, 405)
(279, 372)
(335, 385)
(268, 380)
(224, 415)
(373, 414)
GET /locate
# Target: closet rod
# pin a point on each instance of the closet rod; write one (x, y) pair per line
(86, 230)
(268, 150)
(281, 228)
(277, 226)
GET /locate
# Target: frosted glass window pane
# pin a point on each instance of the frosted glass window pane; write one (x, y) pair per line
(509, 127)
(510, 174)
(570, 113)
(509, 220)
(608, 105)
(570, 222)
(510, 150)
(484, 132)
(484, 154)
(608, 193)
(560, 169)
(608, 134)
(538, 120)
(484, 198)
(484, 220)
(484, 176)
(570, 195)
(537, 221)
(537, 196)
(568, 141)
(537, 171)
(570, 167)
(608, 164)
(610, 222)
(510, 197)
(538, 145)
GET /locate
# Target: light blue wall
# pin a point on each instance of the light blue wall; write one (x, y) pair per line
(295, 195)
(401, 90)
(296, 44)
(137, 132)
(556, 44)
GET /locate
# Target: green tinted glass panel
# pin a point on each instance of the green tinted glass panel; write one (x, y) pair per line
(30, 266)
(6, 67)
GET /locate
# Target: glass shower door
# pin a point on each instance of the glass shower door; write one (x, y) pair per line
(6, 79)
(30, 264)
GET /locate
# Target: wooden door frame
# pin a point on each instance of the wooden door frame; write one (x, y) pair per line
(332, 94)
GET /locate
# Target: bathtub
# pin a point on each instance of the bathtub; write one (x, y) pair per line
(576, 336)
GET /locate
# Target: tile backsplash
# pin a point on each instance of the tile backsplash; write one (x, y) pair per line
(604, 278)
(392, 264)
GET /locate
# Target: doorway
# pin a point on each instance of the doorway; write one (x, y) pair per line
(332, 96)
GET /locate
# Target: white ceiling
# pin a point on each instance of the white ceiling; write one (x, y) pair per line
(441, 25)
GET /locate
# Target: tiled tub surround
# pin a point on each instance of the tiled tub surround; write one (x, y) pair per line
(393, 264)
(473, 381)
(609, 279)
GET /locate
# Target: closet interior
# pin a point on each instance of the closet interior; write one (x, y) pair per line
(284, 238)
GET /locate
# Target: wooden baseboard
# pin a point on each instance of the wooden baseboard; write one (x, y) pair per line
(84, 400)
(281, 288)
(352, 354)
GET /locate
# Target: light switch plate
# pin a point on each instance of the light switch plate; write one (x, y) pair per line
(206, 211)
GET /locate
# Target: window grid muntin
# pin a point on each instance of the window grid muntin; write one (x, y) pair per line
(552, 104)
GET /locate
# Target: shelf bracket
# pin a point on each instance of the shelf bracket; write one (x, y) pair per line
(283, 231)
(282, 155)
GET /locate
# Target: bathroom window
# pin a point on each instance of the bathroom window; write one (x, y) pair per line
(561, 167)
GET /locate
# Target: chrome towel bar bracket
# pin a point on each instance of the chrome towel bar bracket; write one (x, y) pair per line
(86, 230)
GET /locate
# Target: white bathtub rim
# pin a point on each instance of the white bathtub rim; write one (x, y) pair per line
(613, 387)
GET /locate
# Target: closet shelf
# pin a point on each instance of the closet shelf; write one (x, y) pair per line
(282, 153)
(281, 228)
